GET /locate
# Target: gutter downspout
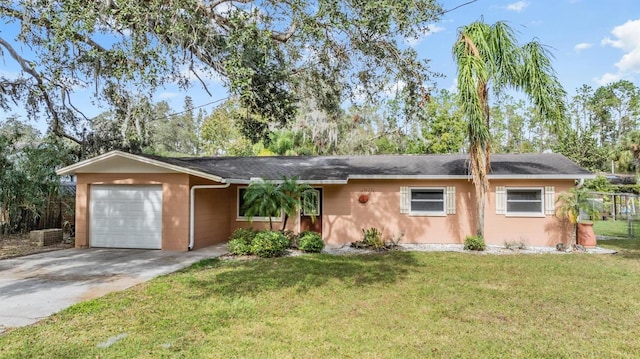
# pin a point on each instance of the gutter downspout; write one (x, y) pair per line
(192, 208)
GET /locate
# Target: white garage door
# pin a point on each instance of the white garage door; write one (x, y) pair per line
(125, 216)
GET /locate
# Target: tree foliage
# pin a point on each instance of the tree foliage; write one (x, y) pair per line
(28, 182)
(489, 57)
(269, 53)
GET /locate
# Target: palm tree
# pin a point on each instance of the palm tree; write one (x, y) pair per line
(569, 206)
(490, 55)
(296, 196)
(263, 199)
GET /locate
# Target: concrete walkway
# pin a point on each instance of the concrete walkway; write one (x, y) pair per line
(36, 286)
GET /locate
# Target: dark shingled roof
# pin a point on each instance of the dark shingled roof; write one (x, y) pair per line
(341, 168)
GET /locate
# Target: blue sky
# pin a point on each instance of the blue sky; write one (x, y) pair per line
(594, 42)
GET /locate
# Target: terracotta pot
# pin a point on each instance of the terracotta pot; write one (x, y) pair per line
(586, 235)
(364, 198)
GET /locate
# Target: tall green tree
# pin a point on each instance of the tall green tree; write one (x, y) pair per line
(270, 54)
(443, 127)
(489, 57)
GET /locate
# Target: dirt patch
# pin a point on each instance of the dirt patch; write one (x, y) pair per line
(21, 245)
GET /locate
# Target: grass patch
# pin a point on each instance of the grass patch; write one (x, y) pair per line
(394, 304)
(619, 228)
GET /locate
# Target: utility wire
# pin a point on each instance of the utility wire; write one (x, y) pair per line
(190, 109)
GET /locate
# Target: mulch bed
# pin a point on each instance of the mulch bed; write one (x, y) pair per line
(16, 245)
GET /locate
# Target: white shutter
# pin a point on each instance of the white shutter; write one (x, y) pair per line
(549, 200)
(501, 200)
(404, 199)
(451, 200)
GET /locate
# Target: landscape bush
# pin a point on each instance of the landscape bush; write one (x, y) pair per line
(310, 242)
(372, 238)
(474, 243)
(267, 244)
(241, 241)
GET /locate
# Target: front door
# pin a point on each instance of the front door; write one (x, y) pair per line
(312, 221)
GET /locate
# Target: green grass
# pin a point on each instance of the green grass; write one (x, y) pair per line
(392, 305)
(618, 228)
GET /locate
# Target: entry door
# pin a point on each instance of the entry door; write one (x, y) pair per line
(125, 216)
(306, 224)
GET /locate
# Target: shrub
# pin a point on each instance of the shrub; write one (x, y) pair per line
(241, 241)
(474, 243)
(268, 244)
(310, 242)
(373, 238)
(522, 244)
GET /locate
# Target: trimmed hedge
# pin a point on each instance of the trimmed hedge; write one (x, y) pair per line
(310, 242)
(474, 243)
(267, 244)
(241, 241)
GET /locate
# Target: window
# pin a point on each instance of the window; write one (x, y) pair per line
(525, 201)
(427, 201)
(314, 208)
(262, 217)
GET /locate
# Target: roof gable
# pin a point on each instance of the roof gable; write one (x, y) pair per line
(122, 162)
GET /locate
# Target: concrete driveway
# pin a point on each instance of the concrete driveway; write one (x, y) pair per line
(36, 286)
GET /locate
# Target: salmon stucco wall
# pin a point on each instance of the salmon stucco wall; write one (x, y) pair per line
(212, 209)
(547, 230)
(175, 204)
(345, 217)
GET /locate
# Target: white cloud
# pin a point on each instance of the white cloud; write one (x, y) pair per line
(430, 30)
(607, 78)
(582, 46)
(627, 38)
(517, 6)
(167, 95)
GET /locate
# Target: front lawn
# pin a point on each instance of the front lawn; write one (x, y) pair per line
(394, 305)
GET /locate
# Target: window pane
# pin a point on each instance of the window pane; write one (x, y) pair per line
(427, 194)
(524, 195)
(312, 208)
(417, 206)
(241, 204)
(530, 207)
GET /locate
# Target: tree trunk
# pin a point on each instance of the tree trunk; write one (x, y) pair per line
(481, 207)
(284, 223)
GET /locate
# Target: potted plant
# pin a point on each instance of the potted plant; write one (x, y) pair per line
(570, 205)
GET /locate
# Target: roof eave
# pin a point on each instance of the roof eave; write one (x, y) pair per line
(545, 176)
(72, 169)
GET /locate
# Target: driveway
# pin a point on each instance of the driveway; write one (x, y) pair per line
(36, 286)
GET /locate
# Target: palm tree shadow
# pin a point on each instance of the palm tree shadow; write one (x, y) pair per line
(251, 277)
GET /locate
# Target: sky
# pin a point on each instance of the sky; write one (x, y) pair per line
(594, 42)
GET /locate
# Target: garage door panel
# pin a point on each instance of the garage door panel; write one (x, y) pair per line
(126, 216)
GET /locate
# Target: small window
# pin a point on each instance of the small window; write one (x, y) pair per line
(314, 208)
(525, 201)
(242, 209)
(430, 201)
